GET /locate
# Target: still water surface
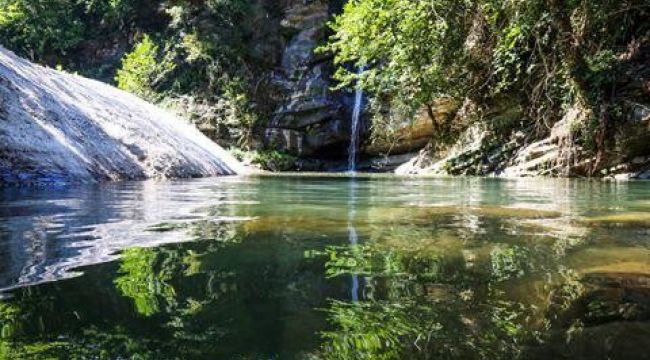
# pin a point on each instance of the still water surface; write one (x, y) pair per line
(326, 267)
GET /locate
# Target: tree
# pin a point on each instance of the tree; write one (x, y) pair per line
(142, 69)
(413, 48)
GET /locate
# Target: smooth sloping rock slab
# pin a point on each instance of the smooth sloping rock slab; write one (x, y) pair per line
(57, 127)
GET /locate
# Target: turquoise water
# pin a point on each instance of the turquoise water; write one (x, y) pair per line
(327, 267)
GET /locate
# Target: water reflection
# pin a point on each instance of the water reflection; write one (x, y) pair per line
(353, 236)
(44, 233)
(329, 268)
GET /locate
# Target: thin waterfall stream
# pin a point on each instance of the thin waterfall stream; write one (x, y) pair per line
(352, 167)
(354, 133)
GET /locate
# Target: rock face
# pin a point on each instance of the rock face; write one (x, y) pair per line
(414, 134)
(610, 304)
(508, 144)
(311, 119)
(62, 128)
(481, 151)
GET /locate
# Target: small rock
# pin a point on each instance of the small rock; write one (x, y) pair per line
(621, 167)
(644, 175)
(639, 160)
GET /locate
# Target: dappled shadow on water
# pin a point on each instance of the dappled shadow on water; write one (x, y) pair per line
(349, 269)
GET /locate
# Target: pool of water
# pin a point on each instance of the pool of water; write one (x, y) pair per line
(327, 267)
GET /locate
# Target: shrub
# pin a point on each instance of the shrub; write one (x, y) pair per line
(271, 160)
(142, 69)
(35, 28)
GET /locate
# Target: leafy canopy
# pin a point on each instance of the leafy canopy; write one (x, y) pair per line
(411, 48)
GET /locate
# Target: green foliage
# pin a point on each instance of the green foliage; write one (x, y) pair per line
(142, 69)
(373, 260)
(9, 321)
(412, 48)
(51, 30)
(235, 114)
(546, 55)
(508, 262)
(377, 330)
(271, 160)
(202, 70)
(140, 280)
(39, 27)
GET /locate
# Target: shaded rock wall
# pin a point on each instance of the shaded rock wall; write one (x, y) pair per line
(310, 119)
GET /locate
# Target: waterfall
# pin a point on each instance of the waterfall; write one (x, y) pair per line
(352, 166)
(354, 133)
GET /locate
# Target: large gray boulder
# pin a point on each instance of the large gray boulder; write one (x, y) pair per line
(57, 127)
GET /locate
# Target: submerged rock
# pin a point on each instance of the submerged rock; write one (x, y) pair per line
(62, 128)
(606, 317)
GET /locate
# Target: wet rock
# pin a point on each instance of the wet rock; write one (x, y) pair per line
(607, 320)
(632, 137)
(385, 163)
(610, 341)
(644, 175)
(639, 160)
(638, 113)
(616, 297)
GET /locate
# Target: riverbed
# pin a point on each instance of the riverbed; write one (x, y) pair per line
(327, 267)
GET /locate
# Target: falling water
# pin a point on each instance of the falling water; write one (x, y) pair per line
(354, 133)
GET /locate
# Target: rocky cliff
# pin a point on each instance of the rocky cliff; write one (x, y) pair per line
(311, 120)
(59, 128)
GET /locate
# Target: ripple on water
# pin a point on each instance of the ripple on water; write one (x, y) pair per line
(328, 267)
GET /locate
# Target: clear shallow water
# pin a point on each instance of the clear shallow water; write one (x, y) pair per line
(327, 268)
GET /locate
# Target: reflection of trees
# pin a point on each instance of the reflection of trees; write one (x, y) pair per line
(436, 289)
(180, 302)
(433, 288)
(424, 304)
(420, 330)
(519, 285)
(34, 314)
(140, 280)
